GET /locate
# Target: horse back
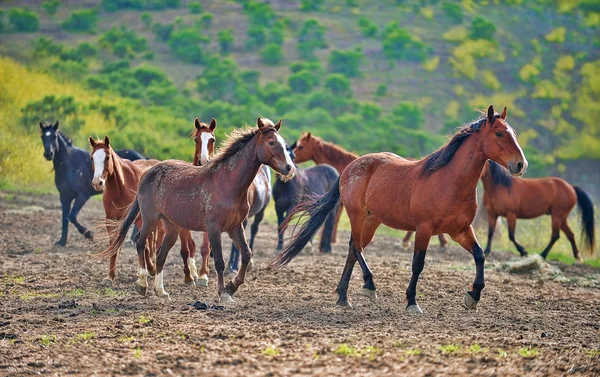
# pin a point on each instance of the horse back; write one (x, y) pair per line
(540, 196)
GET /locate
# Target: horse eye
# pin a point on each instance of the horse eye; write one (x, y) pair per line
(106, 158)
(300, 147)
(499, 134)
(271, 142)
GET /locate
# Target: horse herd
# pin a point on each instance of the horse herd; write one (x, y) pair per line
(219, 192)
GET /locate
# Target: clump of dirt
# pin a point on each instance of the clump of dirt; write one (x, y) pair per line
(533, 264)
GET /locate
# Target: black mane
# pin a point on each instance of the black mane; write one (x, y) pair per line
(500, 175)
(68, 140)
(444, 155)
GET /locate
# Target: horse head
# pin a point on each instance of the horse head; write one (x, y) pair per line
(204, 136)
(49, 139)
(271, 148)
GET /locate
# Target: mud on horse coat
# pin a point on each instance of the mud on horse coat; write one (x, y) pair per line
(434, 195)
(72, 176)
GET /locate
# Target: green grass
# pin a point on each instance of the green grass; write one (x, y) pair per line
(528, 352)
(78, 292)
(137, 353)
(271, 351)
(47, 340)
(413, 352)
(476, 348)
(85, 337)
(449, 349)
(502, 353)
(145, 319)
(125, 339)
(346, 350)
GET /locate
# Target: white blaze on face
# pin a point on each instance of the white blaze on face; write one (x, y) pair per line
(288, 159)
(98, 157)
(205, 137)
(48, 133)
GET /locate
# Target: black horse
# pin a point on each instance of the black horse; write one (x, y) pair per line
(72, 176)
(314, 181)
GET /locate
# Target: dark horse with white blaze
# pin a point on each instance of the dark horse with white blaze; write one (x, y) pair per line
(73, 174)
(211, 198)
(434, 195)
(314, 181)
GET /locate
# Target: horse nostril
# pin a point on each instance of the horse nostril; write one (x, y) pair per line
(289, 168)
(519, 166)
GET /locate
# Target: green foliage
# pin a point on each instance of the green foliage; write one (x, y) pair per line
(87, 50)
(381, 90)
(206, 19)
(311, 38)
(271, 351)
(557, 35)
(346, 62)
(276, 33)
(52, 108)
(302, 81)
(2, 24)
(195, 7)
(453, 11)
(81, 20)
(272, 54)
(398, 43)
(220, 80)
(528, 352)
(259, 13)
(408, 114)
(23, 20)
(367, 27)
(186, 43)
(226, 40)
(311, 5)
(481, 28)
(123, 42)
(338, 84)
(115, 5)
(273, 91)
(146, 18)
(334, 105)
(257, 35)
(450, 348)
(162, 32)
(51, 6)
(346, 350)
(370, 111)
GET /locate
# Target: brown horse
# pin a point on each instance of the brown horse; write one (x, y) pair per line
(119, 178)
(211, 198)
(527, 198)
(434, 195)
(310, 147)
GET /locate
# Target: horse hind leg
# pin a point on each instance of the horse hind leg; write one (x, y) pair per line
(556, 222)
(571, 236)
(171, 235)
(368, 231)
(406, 240)
(202, 280)
(189, 263)
(511, 220)
(148, 228)
(469, 242)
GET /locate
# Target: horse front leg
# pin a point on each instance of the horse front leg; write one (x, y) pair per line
(214, 236)
(420, 250)
(239, 238)
(187, 251)
(79, 202)
(468, 241)
(65, 204)
(202, 281)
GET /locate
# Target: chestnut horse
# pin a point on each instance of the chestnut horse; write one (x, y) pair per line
(527, 198)
(310, 147)
(119, 178)
(211, 198)
(434, 195)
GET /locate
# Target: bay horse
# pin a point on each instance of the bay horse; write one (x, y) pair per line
(211, 198)
(434, 195)
(72, 176)
(310, 147)
(528, 198)
(118, 179)
(314, 181)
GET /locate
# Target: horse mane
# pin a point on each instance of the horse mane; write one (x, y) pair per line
(444, 155)
(333, 151)
(500, 175)
(118, 167)
(68, 140)
(235, 142)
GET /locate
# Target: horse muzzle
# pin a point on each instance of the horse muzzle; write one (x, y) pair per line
(49, 156)
(518, 167)
(291, 171)
(98, 185)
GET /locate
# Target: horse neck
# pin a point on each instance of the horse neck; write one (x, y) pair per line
(335, 156)
(115, 182)
(466, 167)
(240, 169)
(62, 152)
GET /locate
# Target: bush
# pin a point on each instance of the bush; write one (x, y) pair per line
(346, 62)
(43, 47)
(123, 42)
(381, 90)
(70, 69)
(339, 84)
(206, 19)
(87, 50)
(146, 75)
(367, 27)
(219, 79)
(115, 5)
(273, 91)
(276, 33)
(453, 11)
(162, 32)
(398, 43)
(195, 7)
(272, 54)
(51, 6)
(409, 115)
(311, 5)
(81, 20)
(334, 105)
(482, 29)
(259, 13)
(146, 20)
(311, 37)
(370, 111)
(185, 45)
(2, 25)
(226, 40)
(557, 35)
(257, 35)
(302, 81)
(23, 20)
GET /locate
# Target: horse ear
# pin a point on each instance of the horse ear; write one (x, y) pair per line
(92, 142)
(106, 141)
(278, 125)
(259, 122)
(490, 113)
(293, 146)
(197, 123)
(41, 126)
(55, 127)
(503, 115)
(213, 124)
(308, 135)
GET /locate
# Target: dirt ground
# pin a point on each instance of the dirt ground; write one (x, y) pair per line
(56, 318)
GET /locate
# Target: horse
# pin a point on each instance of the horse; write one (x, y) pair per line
(434, 195)
(528, 198)
(118, 179)
(316, 180)
(72, 176)
(310, 147)
(211, 198)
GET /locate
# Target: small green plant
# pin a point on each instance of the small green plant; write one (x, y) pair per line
(195, 7)
(481, 28)
(346, 350)
(593, 353)
(450, 348)
(145, 319)
(413, 352)
(137, 353)
(125, 339)
(528, 352)
(50, 6)
(85, 337)
(502, 353)
(81, 20)
(371, 352)
(368, 28)
(109, 292)
(311, 5)
(226, 40)
(271, 351)
(272, 54)
(381, 90)
(146, 20)
(47, 340)
(453, 11)
(78, 292)
(476, 348)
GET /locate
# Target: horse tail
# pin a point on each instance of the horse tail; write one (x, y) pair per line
(586, 210)
(122, 227)
(318, 209)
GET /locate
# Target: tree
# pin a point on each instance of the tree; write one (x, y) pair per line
(258, 36)
(311, 5)
(23, 20)
(482, 29)
(185, 44)
(367, 27)
(51, 6)
(302, 81)
(398, 43)
(226, 40)
(346, 62)
(311, 37)
(339, 85)
(146, 19)
(453, 11)
(408, 114)
(272, 54)
(81, 20)
(195, 7)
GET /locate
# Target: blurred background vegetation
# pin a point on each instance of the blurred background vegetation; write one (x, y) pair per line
(386, 75)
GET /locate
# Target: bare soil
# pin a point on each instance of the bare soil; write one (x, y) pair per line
(56, 318)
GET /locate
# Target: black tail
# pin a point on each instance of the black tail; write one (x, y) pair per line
(122, 227)
(586, 210)
(318, 210)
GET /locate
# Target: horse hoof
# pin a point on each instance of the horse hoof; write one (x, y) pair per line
(470, 302)
(225, 298)
(89, 235)
(406, 245)
(161, 293)
(371, 294)
(343, 303)
(250, 266)
(141, 290)
(202, 281)
(61, 243)
(106, 282)
(189, 282)
(414, 309)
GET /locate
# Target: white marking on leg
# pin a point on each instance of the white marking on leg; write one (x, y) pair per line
(192, 266)
(99, 156)
(205, 137)
(159, 287)
(143, 277)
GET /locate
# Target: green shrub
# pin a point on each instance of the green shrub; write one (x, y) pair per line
(115, 5)
(453, 11)
(51, 6)
(23, 20)
(185, 45)
(311, 37)
(206, 19)
(123, 42)
(273, 91)
(226, 40)
(334, 105)
(257, 36)
(219, 79)
(259, 13)
(2, 24)
(381, 90)
(65, 108)
(146, 20)
(162, 32)
(311, 5)
(250, 78)
(370, 111)
(346, 62)
(43, 47)
(338, 84)
(409, 115)
(276, 33)
(367, 27)
(147, 75)
(398, 43)
(302, 81)
(87, 50)
(272, 54)
(70, 69)
(81, 20)
(195, 7)
(481, 28)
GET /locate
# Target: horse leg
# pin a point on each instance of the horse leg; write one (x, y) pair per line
(280, 232)
(148, 228)
(205, 253)
(406, 240)
(327, 234)
(188, 260)
(258, 218)
(112, 263)
(469, 242)
(420, 249)
(342, 288)
(65, 203)
(150, 249)
(338, 215)
(171, 235)
(79, 202)
(214, 236)
(443, 241)
(569, 233)
(238, 236)
(492, 219)
(234, 255)
(511, 220)
(556, 223)
(368, 231)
